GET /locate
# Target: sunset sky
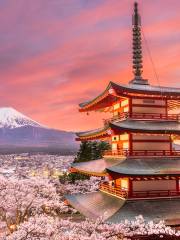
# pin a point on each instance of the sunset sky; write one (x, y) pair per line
(55, 54)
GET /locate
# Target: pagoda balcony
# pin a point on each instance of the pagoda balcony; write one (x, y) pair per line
(115, 191)
(142, 153)
(144, 116)
(118, 192)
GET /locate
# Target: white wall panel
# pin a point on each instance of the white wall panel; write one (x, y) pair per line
(154, 185)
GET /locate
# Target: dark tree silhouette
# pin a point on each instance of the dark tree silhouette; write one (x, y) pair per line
(91, 150)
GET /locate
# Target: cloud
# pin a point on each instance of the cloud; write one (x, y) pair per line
(56, 54)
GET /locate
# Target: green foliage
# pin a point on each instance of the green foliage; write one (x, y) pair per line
(85, 152)
(72, 177)
(91, 150)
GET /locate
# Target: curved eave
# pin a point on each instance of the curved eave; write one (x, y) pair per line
(94, 137)
(115, 91)
(94, 167)
(105, 99)
(95, 204)
(153, 91)
(142, 174)
(147, 167)
(154, 210)
(115, 210)
(89, 173)
(93, 134)
(137, 126)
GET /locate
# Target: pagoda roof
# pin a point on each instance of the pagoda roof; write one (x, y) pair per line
(161, 127)
(147, 126)
(105, 99)
(155, 166)
(114, 210)
(115, 91)
(151, 210)
(95, 167)
(90, 132)
(96, 204)
(95, 133)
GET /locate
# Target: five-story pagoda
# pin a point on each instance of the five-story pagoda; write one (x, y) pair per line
(142, 167)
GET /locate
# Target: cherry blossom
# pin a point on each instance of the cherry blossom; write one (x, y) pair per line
(20, 199)
(32, 204)
(44, 227)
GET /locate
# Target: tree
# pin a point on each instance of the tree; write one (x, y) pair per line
(21, 199)
(42, 227)
(85, 152)
(103, 146)
(72, 177)
(91, 150)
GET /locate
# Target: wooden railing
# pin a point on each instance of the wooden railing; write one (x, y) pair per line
(155, 193)
(137, 153)
(116, 191)
(144, 116)
(113, 190)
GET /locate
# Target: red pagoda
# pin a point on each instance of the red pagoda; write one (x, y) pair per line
(142, 169)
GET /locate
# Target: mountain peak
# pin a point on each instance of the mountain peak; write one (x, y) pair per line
(11, 118)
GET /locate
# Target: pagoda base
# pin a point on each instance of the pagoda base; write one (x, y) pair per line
(114, 210)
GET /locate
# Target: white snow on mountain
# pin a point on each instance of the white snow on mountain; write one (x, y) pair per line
(11, 118)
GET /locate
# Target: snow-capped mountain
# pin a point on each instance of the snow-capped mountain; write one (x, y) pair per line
(19, 131)
(11, 118)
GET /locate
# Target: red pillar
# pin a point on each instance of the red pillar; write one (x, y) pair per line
(177, 184)
(166, 103)
(130, 107)
(110, 177)
(170, 139)
(130, 143)
(130, 187)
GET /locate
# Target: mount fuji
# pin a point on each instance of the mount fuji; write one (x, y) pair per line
(11, 118)
(20, 133)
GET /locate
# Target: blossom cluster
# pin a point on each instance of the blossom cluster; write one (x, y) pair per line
(43, 227)
(23, 198)
(32, 205)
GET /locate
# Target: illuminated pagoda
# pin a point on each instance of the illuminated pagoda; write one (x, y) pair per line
(142, 169)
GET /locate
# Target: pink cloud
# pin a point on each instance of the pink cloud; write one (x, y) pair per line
(54, 55)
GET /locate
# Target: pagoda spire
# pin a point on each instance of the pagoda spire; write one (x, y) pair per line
(137, 48)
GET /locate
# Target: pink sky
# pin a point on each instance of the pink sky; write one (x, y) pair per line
(56, 54)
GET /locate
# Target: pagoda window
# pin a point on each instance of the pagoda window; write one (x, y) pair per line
(124, 184)
(125, 145)
(116, 109)
(118, 183)
(121, 107)
(115, 138)
(124, 137)
(126, 109)
(114, 146)
(116, 106)
(116, 113)
(125, 103)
